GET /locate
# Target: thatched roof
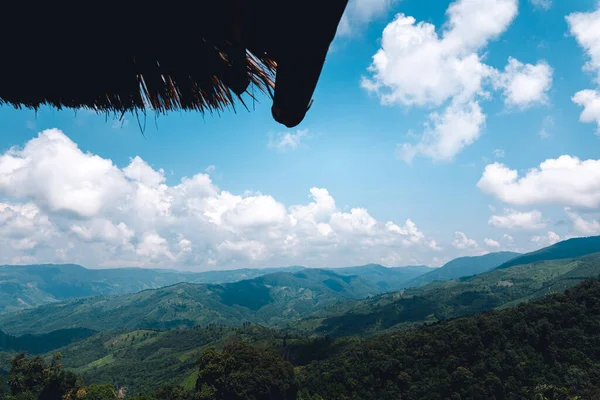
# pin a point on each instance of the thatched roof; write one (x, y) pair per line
(133, 57)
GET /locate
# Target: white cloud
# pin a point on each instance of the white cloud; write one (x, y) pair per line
(542, 4)
(524, 85)
(153, 246)
(549, 239)
(447, 134)
(461, 241)
(491, 243)
(547, 125)
(102, 230)
(55, 174)
(590, 101)
(417, 66)
(507, 238)
(498, 153)
(359, 13)
(286, 140)
(566, 181)
(64, 205)
(586, 29)
(582, 226)
(512, 219)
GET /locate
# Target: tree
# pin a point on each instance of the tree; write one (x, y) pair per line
(241, 371)
(98, 392)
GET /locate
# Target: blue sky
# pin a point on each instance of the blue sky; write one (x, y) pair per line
(501, 85)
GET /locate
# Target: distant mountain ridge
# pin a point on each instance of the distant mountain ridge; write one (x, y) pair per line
(569, 248)
(464, 266)
(270, 299)
(26, 286)
(386, 278)
(498, 288)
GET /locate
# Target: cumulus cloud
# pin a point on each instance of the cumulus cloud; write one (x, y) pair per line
(287, 140)
(582, 226)
(359, 13)
(507, 238)
(590, 101)
(461, 241)
(64, 205)
(417, 66)
(549, 239)
(524, 85)
(530, 220)
(55, 174)
(585, 27)
(445, 135)
(491, 243)
(566, 181)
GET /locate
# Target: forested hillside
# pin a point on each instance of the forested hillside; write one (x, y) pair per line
(25, 286)
(442, 300)
(272, 299)
(387, 279)
(464, 266)
(547, 349)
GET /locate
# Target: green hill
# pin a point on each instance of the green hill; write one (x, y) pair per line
(42, 343)
(570, 248)
(448, 299)
(543, 349)
(387, 279)
(547, 349)
(25, 286)
(271, 299)
(464, 266)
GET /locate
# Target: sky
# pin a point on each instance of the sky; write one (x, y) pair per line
(439, 129)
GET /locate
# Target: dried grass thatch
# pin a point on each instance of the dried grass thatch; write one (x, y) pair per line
(132, 57)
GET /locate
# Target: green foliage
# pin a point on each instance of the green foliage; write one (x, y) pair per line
(549, 349)
(98, 392)
(36, 379)
(43, 343)
(240, 371)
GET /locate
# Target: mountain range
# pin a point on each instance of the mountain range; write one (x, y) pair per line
(464, 266)
(155, 335)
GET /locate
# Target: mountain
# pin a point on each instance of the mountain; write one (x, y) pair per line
(387, 279)
(442, 300)
(271, 299)
(543, 349)
(570, 248)
(24, 286)
(42, 343)
(464, 266)
(547, 349)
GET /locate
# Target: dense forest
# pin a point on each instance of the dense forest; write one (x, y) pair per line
(547, 349)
